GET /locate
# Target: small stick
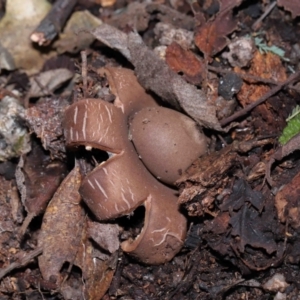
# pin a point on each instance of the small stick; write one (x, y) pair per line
(52, 24)
(22, 262)
(262, 99)
(84, 72)
(257, 23)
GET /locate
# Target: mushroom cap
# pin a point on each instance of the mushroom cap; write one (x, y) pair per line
(167, 141)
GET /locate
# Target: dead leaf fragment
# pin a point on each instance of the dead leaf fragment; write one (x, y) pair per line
(267, 66)
(256, 233)
(283, 151)
(75, 36)
(241, 193)
(44, 120)
(185, 61)
(38, 177)
(97, 267)
(210, 38)
(287, 203)
(105, 235)
(171, 16)
(291, 6)
(47, 82)
(62, 227)
(134, 16)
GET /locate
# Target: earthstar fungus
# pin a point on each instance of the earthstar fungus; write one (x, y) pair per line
(122, 183)
(167, 141)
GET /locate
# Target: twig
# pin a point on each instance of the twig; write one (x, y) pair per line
(84, 72)
(21, 263)
(25, 225)
(52, 24)
(262, 99)
(258, 22)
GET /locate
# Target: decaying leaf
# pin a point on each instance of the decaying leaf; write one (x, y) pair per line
(47, 82)
(98, 266)
(134, 15)
(256, 233)
(171, 16)
(267, 66)
(38, 177)
(45, 121)
(242, 193)
(75, 36)
(291, 6)
(240, 230)
(210, 37)
(185, 61)
(62, 227)
(7, 226)
(281, 152)
(155, 75)
(105, 235)
(288, 204)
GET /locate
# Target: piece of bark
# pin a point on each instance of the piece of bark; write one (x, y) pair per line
(155, 75)
(52, 24)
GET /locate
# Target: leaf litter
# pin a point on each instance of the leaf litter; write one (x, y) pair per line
(240, 199)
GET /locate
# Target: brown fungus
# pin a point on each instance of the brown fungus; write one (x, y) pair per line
(122, 183)
(167, 141)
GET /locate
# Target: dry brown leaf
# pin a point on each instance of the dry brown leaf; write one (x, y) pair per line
(97, 268)
(210, 38)
(181, 60)
(287, 203)
(62, 226)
